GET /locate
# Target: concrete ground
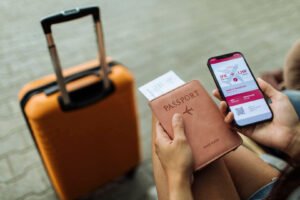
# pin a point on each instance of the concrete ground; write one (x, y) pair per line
(150, 37)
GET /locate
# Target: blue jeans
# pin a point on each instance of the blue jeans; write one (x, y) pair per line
(294, 96)
(263, 192)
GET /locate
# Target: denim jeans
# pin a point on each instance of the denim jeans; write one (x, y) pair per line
(294, 96)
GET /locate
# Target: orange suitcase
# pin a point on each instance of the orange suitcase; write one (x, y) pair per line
(83, 120)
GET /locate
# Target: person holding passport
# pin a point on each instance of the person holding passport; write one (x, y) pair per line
(239, 174)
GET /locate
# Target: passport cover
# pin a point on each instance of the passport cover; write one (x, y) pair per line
(207, 133)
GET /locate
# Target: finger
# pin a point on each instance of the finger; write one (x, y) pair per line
(247, 131)
(267, 89)
(272, 81)
(217, 94)
(223, 108)
(278, 74)
(161, 135)
(229, 118)
(178, 126)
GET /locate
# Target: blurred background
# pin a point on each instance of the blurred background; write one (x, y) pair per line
(150, 38)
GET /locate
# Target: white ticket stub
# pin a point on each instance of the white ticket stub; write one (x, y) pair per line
(161, 85)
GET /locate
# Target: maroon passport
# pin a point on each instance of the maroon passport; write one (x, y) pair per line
(207, 133)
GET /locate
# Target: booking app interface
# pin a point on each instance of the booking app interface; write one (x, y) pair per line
(240, 90)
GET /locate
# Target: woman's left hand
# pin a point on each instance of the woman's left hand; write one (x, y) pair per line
(174, 154)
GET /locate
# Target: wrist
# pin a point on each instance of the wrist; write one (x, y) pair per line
(179, 186)
(178, 180)
(293, 149)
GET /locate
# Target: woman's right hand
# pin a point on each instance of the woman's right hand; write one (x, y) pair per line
(282, 132)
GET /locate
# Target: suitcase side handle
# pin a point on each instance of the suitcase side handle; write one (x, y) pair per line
(68, 15)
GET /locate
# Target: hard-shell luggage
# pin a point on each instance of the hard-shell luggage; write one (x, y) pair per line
(83, 120)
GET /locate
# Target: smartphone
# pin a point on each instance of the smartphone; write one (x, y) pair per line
(238, 87)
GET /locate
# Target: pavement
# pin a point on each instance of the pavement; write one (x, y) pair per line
(150, 38)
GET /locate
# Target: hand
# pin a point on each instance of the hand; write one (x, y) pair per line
(279, 133)
(175, 155)
(274, 78)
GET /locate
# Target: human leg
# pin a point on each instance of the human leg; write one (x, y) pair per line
(160, 177)
(214, 182)
(248, 172)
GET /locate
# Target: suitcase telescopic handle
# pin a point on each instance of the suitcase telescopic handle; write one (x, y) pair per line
(65, 16)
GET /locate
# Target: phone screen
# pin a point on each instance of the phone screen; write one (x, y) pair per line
(240, 90)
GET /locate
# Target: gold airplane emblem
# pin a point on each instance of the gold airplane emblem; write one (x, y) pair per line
(188, 110)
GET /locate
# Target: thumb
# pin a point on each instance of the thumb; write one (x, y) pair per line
(178, 126)
(267, 89)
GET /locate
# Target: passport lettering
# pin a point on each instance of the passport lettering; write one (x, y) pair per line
(181, 100)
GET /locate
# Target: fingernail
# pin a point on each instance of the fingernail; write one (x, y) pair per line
(177, 118)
